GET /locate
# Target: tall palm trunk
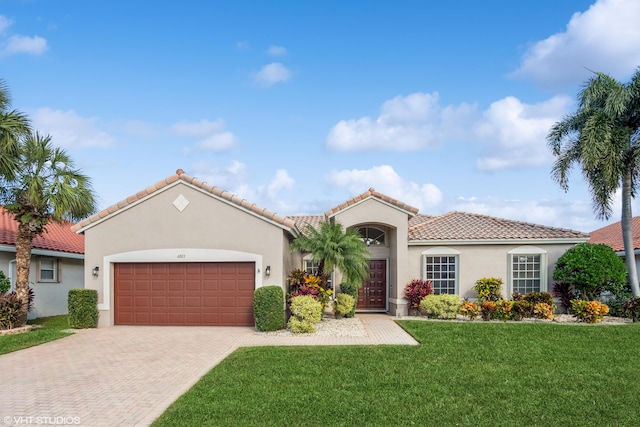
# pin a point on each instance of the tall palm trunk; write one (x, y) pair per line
(23, 261)
(627, 233)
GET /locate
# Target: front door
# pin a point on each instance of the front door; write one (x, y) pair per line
(372, 295)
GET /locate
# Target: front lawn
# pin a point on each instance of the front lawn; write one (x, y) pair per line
(470, 374)
(51, 328)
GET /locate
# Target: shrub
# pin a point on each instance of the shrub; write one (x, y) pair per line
(415, 291)
(469, 309)
(520, 309)
(5, 283)
(350, 289)
(343, 304)
(589, 311)
(503, 310)
(542, 310)
(306, 312)
(564, 291)
(591, 269)
(488, 309)
(443, 306)
(489, 289)
(268, 308)
(83, 308)
(9, 309)
(534, 298)
(631, 308)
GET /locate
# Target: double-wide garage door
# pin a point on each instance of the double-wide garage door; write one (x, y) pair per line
(184, 294)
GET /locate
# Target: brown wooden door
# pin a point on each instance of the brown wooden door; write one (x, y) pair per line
(184, 294)
(373, 294)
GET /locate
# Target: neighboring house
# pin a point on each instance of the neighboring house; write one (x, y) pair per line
(183, 252)
(611, 235)
(56, 264)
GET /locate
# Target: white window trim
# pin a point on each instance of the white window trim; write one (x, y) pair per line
(442, 251)
(528, 250)
(56, 270)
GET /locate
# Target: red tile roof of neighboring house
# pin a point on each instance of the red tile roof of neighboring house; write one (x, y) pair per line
(372, 193)
(468, 226)
(181, 176)
(611, 235)
(57, 237)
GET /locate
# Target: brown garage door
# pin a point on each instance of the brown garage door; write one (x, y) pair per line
(184, 294)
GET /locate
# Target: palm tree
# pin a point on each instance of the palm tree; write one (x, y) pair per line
(332, 247)
(13, 126)
(602, 136)
(46, 187)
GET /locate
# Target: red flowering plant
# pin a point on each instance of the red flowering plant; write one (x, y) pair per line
(416, 290)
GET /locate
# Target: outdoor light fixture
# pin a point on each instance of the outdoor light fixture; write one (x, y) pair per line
(267, 271)
(95, 271)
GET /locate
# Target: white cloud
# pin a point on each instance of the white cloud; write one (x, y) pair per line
(277, 51)
(271, 74)
(280, 181)
(387, 181)
(605, 38)
(231, 177)
(513, 134)
(243, 45)
(24, 44)
(405, 123)
(68, 129)
(211, 135)
(5, 23)
(139, 128)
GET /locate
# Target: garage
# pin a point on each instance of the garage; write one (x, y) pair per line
(184, 294)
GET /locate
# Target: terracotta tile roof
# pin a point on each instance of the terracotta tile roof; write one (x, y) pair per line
(611, 235)
(301, 221)
(468, 226)
(419, 219)
(181, 176)
(58, 236)
(372, 193)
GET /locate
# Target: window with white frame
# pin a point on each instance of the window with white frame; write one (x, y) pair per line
(48, 270)
(312, 267)
(441, 269)
(528, 270)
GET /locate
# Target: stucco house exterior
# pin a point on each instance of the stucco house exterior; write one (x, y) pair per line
(611, 235)
(57, 264)
(184, 252)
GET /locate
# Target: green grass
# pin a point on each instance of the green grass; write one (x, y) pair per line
(466, 374)
(51, 329)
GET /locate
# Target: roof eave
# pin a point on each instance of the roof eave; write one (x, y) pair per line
(44, 252)
(548, 241)
(331, 213)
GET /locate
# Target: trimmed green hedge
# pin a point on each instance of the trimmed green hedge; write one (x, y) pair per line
(83, 308)
(268, 308)
(350, 289)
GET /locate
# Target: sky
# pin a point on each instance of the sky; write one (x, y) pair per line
(298, 106)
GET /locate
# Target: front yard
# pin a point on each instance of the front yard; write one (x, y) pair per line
(493, 374)
(45, 329)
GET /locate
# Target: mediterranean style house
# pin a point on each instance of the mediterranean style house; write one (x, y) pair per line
(56, 264)
(184, 252)
(611, 235)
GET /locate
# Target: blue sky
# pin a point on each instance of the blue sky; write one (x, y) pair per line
(298, 106)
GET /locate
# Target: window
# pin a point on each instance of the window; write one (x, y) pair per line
(528, 270)
(372, 236)
(311, 267)
(47, 270)
(442, 272)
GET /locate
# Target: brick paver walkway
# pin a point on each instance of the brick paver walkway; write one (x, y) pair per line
(128, 375)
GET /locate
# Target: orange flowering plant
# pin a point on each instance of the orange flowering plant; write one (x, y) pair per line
(589, 311)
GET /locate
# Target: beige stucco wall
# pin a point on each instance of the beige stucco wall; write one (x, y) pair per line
(208, 229)
(394, 221)
(50, 297)
(486, 260)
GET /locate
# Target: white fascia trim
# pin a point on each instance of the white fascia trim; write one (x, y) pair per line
(375, 198)
(44, 252)
(173, 255)
(623, 254)
(498, 242)
(201, 190)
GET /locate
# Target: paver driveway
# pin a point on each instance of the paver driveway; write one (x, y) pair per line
(128, 375)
